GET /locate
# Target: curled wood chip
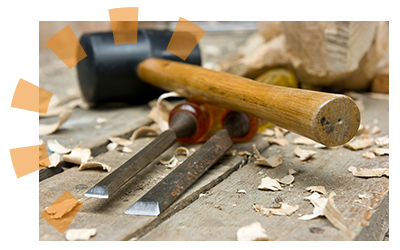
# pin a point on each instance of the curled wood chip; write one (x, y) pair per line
(363, 129)
(285, 209)
(111, 146)
(272, 161)
(288, 179)
(54, 160)
(382, 141)
(368, 155)
(280, 141)
(78, 156)
(303, 153)
(278, 133)
(161, 122)
(319, 189)
(252, 232)
(58, 210)
(145, 130)
(55, 146)
(46, 129)
(120, 141)
(303, 141)
(380, 151)
(319, 204)
(334, 215)
(269, 184)
(241, 191)
(358, 144)
(80, 234)
(124, 149)
(267, 132)
(377, 172)
(93, 164)
(375, 130)
(165, 108)
(171, 163)
(181, 151)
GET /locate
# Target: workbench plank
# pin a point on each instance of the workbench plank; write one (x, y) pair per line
(201, 220)
(107, 216)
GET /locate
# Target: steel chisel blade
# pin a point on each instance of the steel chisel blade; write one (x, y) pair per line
(173, 185)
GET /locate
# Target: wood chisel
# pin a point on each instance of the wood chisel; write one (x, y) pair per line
(189, 122)
(168, 190)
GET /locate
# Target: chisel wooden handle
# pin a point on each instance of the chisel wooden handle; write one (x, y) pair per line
(330, 119)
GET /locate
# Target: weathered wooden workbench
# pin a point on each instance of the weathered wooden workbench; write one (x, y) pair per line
(195, 217)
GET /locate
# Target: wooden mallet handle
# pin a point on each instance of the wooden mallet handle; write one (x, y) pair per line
(330, 119)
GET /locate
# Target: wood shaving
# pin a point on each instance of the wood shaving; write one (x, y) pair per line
(269, 184)
(382, 141)
(375, 130)
(101, 120)
(244, 153)
(144, 131)
(292, 171)
(78, 156)
(80, 234)
(303, 153)
(54, 160)
(280, 141)
(56, 147)
(377, 172)
(124, 149)
(284, 209)
(121, 141)
(363, 129)
(319, 204)
(369, 155)
(380, 151)
(321, 146)
(46, 129)
(241, 191)
(319, 189)
(267, 132)
(93, 164)
(358, 144)
(283, 130)
(161, 121)
(111, 146)
(231, 152)
(181, 151)
(58, 210)
(252, 232)
(171, 163)
(278, 133)
(303, 141)
(334, 215)
(364, 196)
(272, 161)
(288, 179)
(165, 108)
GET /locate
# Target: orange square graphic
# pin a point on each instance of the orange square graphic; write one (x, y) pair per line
(66, 46)
(185, 38)
(124, 24)
(62, 211)
(30, 97)
(25, 160)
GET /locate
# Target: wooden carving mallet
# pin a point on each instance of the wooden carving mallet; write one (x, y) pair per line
(330, 119)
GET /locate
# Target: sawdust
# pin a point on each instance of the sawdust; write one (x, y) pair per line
(368, 155)
(145, 131)
(269, 184)
(80, 234)
(284, 209)
(375, 130)
(301, 140)
(93, 164)
(382, 141)
(272, 161)
(120, 141)
(78, 156)
(46, 129)
(252, 232)
(304, 154)
(380, 151)
(318, 189)
(54, 160)
(358, 144)
(288, 179)
(377, 172)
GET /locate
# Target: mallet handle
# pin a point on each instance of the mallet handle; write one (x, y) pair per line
(330, 119)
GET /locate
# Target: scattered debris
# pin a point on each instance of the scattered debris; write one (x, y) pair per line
(377, 172)
(218, 207)
(303, 141)
(292, 171)
(333, 214)
(288, 179)
(46, 129)
(284, 209)
(364, 196)
(319, 204)
(267, 132)
(380, 151)
(319, 189)
(78, 156)
(244, 153)
(124, 149)
(303, 153)
(171, 163)
(58, 210)
(382, 141)
(316, 230)
(280, 141)
(375, 130)
(54, 160)
(241, 191)
(101, 120)
(272, 161)
(368, 155)
(231, 152)
(269, 184)
(80, 234)
(181, 151)
(111, 146)
(358, 144)
(120, 141)
(56, 147)
(252, 232)
(145, 130)
(321, 146)
(278, 200)
(363, 129)
(93, 164)
(81, 186)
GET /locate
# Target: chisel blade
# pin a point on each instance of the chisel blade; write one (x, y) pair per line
(168, 190)
(131, 167)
